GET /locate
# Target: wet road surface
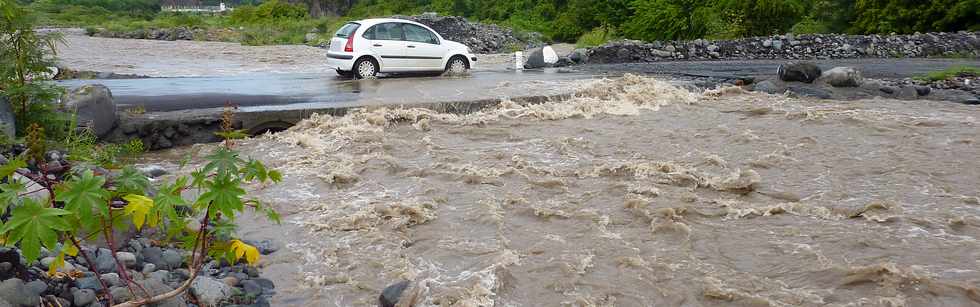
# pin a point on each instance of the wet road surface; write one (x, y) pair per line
(326, 89)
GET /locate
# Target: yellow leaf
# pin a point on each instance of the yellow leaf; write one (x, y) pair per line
(57, 263)
(71, 250)
(251, 255)
(241, 249)
(138, 207)
(153, 220)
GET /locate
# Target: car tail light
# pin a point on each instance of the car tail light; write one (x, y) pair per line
(350, 44)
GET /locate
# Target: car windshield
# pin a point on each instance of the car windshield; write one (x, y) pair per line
(347, 30)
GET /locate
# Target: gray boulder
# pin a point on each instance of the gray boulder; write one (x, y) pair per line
(104, 262)
(94, 106)
(7, 119)
(171, 259)
(311, 37)
(210, 291)
(153, 170)
(83, 297)
(36, 287)
(36, 190)
(799, 72)
(842, 77)
(923, 90)
(807, 91)
(390, 295)
(535, 59)
(541, 57)
(127, 259)
(251, 287)
(17, 294)
(153, 287)
(767, 87)
(580, 55)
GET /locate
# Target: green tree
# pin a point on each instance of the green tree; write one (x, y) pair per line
(25, 62)
(670, 19)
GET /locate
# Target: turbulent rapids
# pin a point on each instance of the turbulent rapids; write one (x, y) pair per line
(636, 192)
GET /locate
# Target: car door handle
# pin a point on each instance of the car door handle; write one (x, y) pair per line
(377, 45)
(411, 46)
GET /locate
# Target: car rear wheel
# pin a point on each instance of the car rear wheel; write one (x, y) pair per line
(365, 68)
(456, 66)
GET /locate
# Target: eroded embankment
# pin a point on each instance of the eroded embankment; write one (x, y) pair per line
(635, 193)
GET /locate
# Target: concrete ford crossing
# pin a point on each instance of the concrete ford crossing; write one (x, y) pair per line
(364, 48)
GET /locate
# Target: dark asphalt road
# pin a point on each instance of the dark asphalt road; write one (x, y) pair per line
(170, 94)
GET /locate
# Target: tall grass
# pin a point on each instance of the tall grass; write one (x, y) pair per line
(955, 71)
(597, 37)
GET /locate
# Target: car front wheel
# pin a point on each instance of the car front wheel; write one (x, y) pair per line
(456, 66)
(365, 68)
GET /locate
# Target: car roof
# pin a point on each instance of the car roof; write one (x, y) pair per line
(374, 21)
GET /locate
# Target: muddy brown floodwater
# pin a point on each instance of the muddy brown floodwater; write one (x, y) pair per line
(636, 193)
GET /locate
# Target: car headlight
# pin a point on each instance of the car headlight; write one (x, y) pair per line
(468, 50)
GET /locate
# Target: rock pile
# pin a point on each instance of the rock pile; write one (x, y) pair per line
(86, 279)
(481, 38)
(171, 34)
(793, 47)
(156, 269)
(93, 105)
(804, 79)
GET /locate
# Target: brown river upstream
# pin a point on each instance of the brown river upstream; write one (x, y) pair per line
(634, 193)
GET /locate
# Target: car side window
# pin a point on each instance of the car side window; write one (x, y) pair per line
(414, 33)
(386, 31)
(369, 33)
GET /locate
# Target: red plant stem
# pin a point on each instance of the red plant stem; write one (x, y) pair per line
(196, 259)
(122, 269)
(92, 266)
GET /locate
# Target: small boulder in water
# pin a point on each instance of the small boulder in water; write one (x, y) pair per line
(389, 297)
(799, 72)
(767, 87)
(403, 294)
(541, 57)
(842, 77)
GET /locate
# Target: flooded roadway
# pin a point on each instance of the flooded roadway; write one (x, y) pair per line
(635, 193)
(325, 89)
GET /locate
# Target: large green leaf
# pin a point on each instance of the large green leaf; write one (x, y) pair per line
(11, 167)
(131, 181)
(168, 198)
(32, 225)
(223, 161)
(224, 194)
(85, 196)
(11, 194)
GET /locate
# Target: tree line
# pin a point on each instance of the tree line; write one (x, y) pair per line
(568, 20)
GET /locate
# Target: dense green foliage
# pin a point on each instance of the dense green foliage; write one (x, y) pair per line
(24, 62)
(567, 20)
(956, 71)
(91, 12)
(276, 21)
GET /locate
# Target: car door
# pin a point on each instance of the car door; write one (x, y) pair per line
(387, 41)
(422, 48)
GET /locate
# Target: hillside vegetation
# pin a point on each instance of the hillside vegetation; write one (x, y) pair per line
(588, 21)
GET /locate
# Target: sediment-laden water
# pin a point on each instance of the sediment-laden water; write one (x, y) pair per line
(636, 193)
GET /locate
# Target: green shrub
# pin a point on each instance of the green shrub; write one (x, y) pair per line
(956, 71)
(809, 26)
(597, 37)
(270, 11)
(24, 75)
